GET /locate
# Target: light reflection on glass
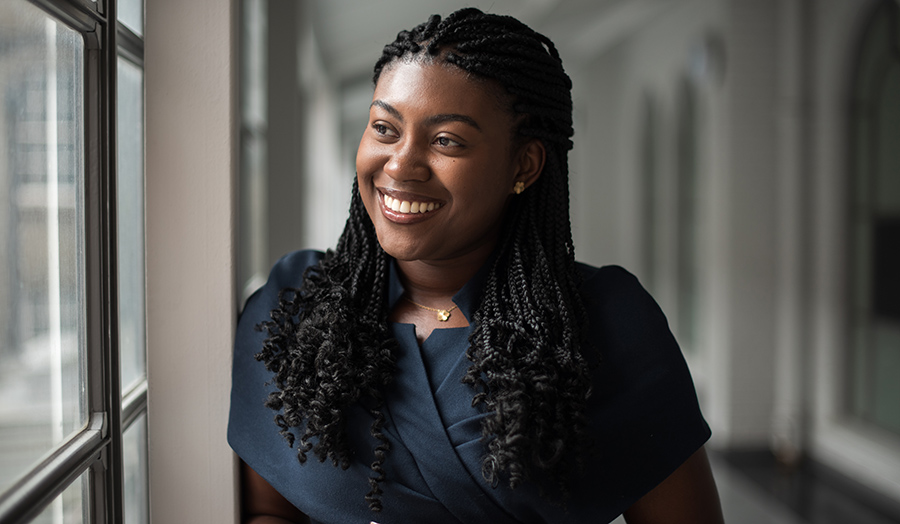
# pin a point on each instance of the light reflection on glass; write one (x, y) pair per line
(131, 13)
(135, 493)
(131, 222)
(42, 389)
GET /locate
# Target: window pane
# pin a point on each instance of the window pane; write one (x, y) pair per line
(69, 507)
(135, 475)
(131, 222)
(687, 142)
(875, 316)
(131, 13)
(42, 389)
(649, 171)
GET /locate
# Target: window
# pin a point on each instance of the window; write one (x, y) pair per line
(649, 175)
(688, 226)
(72, 351)
(875, 228)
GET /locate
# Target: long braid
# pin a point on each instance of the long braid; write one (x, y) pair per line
(329, 345)
(326, 357)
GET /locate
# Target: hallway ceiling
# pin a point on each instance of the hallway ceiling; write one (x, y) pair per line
(351, 33)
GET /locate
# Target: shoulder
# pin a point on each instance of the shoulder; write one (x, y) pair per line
(248, 375)
(644, 403)
(621, 312)
(629, 330)
(252, 432)
(287, 273)
(607, 281)
(288, 270)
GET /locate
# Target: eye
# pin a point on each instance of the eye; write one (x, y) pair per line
(383, 130)
(444, 141)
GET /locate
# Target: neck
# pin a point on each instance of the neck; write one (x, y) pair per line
(435, 282)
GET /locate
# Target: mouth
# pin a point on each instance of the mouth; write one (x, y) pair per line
(407, 208)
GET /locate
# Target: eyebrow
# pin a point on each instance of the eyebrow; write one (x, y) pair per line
(431, 120)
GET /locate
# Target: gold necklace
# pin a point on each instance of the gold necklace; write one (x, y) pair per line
(443, 315)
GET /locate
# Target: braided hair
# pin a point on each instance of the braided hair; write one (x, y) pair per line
(329, 345)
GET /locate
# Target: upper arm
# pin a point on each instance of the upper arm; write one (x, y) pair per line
(261, 503)
(688, 495)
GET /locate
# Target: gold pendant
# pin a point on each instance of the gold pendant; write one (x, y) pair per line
(443, 315)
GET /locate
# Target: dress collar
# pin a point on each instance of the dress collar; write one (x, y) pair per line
(467, 299)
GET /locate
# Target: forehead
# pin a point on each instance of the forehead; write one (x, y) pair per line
(438, 87)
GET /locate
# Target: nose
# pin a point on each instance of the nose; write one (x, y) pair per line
(408, 161)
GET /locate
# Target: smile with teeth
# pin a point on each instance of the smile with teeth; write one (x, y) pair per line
(403, 206)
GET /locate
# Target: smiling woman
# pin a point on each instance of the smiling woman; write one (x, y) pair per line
(436, 137)
(450, 354)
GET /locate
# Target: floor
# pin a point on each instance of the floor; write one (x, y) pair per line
(754, 490)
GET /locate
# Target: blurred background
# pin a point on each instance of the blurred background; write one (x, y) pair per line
(742, 157)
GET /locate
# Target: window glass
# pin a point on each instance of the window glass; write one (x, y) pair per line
(41, 230)
(687, 176)
(131, 222)
(649, 171)
(69, 507)
(253, 265)
(875, 314)
(135, 472)
(131, 13)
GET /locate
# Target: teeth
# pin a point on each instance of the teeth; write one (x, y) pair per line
(402, 206)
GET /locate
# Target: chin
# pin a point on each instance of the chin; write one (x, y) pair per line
(400, 250)
(404, 254)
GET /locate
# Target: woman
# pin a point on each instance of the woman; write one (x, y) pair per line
(450, 361)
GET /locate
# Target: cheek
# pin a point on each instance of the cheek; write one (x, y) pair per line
(490, 183)
(364, 181)
(369, 160)
(366, 192)
(365, 169)
(362, 159)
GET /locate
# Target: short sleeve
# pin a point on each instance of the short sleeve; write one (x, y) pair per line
(644, 409)
(252, 432)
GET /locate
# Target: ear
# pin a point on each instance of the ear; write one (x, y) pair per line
(530, 160)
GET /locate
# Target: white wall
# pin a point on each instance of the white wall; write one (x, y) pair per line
(191, 143)
(744, 384)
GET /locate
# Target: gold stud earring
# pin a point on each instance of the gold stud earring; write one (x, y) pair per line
(518, 188)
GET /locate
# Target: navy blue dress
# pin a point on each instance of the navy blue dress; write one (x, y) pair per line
(643, 413)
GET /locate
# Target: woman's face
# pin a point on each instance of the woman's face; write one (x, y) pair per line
(436, 163)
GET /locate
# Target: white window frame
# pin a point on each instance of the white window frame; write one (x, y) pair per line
(860, 451)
